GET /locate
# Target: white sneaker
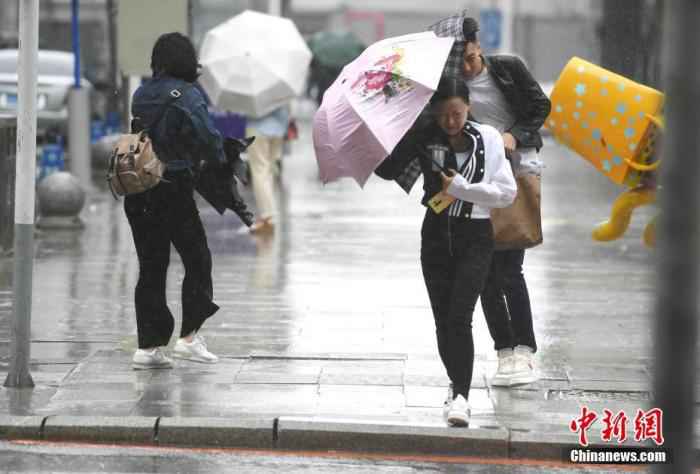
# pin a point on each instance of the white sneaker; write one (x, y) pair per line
(448, 402)
(506, 366)
(195, 351)
(151, 359)
(524, 366)
(459, 412)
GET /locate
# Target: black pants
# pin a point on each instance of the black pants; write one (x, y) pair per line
(506, 302)
(455, 258)
(158, 217)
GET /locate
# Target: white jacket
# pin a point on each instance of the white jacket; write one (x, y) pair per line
(497, 188)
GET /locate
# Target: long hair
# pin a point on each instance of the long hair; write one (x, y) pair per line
(174, 55)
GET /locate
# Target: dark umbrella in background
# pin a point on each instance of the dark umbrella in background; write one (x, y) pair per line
(332, 50)
(335, 49)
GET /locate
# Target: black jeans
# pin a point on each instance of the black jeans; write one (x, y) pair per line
(506, 302)
(455, 258)
(158, 217)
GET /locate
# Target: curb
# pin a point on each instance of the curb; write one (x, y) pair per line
(525, 445)
(298, 433)
(21, 427)
(292, 433)
(99, 429)
(531, 445)
(216, 432)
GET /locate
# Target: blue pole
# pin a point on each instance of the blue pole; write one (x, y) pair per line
(75, 28)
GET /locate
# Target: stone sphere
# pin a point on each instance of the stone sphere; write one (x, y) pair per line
(60, 194)
(101, 151)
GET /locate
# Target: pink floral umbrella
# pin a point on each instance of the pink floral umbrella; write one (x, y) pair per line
(373, 103)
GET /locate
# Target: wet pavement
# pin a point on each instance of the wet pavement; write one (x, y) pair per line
(330, 318)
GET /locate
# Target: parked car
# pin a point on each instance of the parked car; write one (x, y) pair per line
(54, 80)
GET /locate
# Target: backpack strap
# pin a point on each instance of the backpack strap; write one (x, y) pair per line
(175, 94)
(111, 173)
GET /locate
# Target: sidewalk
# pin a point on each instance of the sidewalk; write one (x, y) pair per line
(325, 333)
(377, 402)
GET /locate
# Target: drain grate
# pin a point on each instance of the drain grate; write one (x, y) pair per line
(597, 395)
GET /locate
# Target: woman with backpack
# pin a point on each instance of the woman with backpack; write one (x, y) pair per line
(174, 113)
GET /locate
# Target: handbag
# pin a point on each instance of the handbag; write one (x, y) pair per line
(519, 226)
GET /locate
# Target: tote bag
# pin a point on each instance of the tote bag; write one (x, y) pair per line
(519, 226)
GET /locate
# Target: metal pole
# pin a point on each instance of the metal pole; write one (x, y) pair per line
(75, 31)
(274, 7)
(79, 112)
(679, 237)
(133, 84)
(114, 78)
(507, 27)
(190, 19)
(18, 375)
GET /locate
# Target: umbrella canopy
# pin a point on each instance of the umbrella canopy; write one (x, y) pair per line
(335, 49)
(373, 103)
(253, 63)
(452, 27)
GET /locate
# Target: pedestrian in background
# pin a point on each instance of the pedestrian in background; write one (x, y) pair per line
(263, 157)
(321, 77)
(456, 242)
(167, 214)
(506, 96)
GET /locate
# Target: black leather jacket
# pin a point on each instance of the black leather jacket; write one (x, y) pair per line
(522, 92)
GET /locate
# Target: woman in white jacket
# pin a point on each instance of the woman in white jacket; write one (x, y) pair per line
(463, 164)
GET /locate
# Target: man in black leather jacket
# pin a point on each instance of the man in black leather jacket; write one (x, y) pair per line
(524, 95)
(506, 96)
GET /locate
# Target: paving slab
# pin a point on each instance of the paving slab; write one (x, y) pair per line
(25, 401)
(87, 408)
(279, 371)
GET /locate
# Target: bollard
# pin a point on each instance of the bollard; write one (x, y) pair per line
(101, 152)
(61, 198)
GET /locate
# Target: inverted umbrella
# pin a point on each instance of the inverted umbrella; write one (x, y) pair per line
(373, 103)
(452, 27)
(253, 63)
